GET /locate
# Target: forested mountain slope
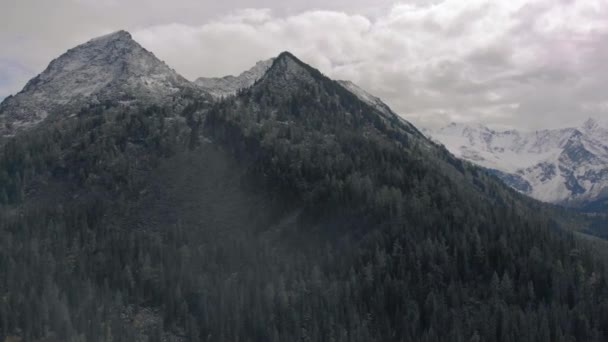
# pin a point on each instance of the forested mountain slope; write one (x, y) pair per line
(293, 211)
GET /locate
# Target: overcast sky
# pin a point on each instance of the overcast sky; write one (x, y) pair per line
(512, 63)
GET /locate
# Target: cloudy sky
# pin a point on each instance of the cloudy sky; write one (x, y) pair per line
(525, 64)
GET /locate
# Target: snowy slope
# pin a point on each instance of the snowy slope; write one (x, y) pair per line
(112, 67)
(568, 165)
(366, 97)
(225, 86)
(375, 102)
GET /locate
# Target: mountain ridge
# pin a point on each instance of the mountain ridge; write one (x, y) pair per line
(229, 85)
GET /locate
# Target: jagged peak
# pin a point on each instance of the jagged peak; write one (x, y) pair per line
(102, 68)
(117, 35)
(286, 62)
(261, 65)
(287, 55)
(288, 72)
(592, 124)
(119, 40)
(285, 58)
(229, 85)
(265, 61)
(117, 44)
(460, 127)
(110, 49)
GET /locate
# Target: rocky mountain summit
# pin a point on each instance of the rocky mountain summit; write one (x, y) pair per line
(113, 67)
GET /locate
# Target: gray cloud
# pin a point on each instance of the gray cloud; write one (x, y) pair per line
(510, 63)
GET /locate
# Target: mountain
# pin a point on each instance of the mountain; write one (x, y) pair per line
(291, 211)
(109, 68)
(366, 97)
(225, 86)
(567, 166)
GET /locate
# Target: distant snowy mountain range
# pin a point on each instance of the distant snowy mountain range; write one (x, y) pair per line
(565, 166)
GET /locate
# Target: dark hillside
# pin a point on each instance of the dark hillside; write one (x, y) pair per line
(291, 212)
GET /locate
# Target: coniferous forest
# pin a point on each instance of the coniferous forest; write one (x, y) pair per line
(292, 211)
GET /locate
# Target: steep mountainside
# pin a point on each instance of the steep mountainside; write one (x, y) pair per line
(108, 68)
(293, 211)
(366, 97)
(225, 86)
(568, 166)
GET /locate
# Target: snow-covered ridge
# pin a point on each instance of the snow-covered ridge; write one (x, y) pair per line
(568, 165)
(366, 97)
(219, 87)
(115, 67)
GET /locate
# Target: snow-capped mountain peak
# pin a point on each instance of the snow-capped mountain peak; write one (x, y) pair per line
(290, 66)
(568, 165)
(117, 35)
(284, 64)
(111, 67)
(595, 124)
(287, 68)
(596, 129)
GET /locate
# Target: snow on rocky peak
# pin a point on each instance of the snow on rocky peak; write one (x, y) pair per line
(287, 75)
(366, 97)
(374, 102)
(111, 67)
(219, 87)
(284, 74)
(288, 67)
(596, 129)
(568, 165)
